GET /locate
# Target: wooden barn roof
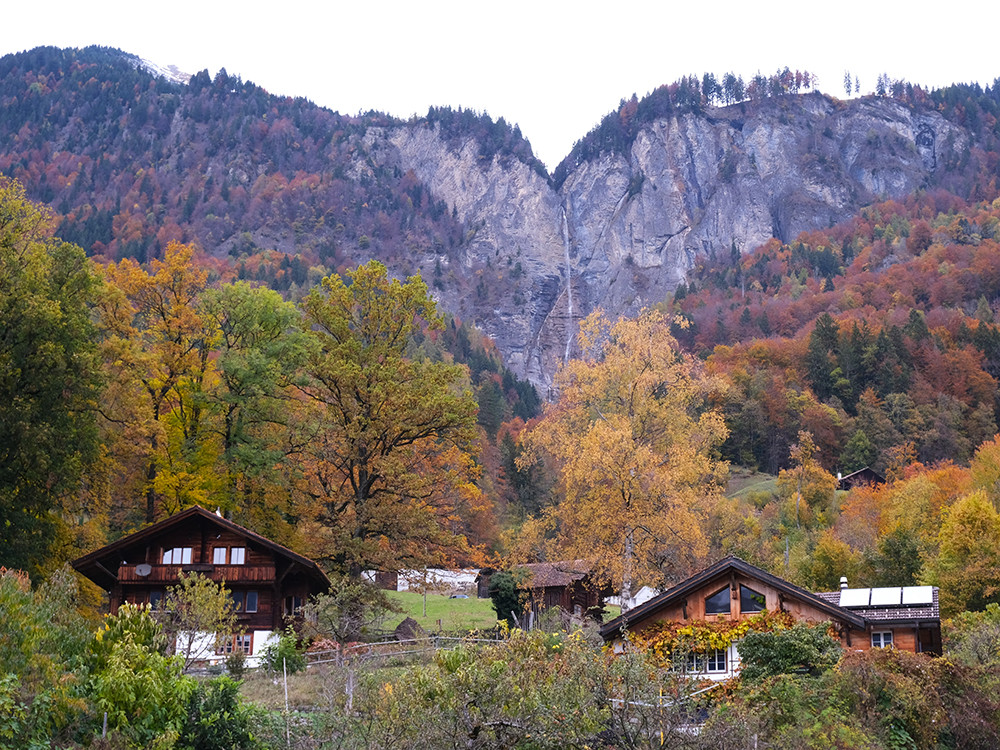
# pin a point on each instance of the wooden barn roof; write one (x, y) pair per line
(563, 573)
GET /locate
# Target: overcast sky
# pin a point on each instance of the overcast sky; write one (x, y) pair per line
(554, 68)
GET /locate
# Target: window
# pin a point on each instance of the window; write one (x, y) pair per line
(711, 661)
(239, 642)
(237, 555)
(718, 603)
(751, 601)
(244, 601)
(155, 597)
(882, 639)
(716, 660)
(177, 556)
(219, 556)
(292, 605)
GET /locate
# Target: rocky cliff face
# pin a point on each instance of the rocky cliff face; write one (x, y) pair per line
(623, 229)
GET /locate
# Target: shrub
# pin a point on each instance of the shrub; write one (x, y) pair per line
(216, 718)
(284, 654)
(799, 649)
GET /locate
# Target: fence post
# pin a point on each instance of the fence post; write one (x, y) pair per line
(288, 732)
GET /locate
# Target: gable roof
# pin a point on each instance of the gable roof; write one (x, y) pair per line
(866, 475)
(637, 614)
(563, 573)
(92, 564)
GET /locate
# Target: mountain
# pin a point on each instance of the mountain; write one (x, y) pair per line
(130, 161)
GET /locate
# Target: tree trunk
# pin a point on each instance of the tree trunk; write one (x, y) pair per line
(626, 592)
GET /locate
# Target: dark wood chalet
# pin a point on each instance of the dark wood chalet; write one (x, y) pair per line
(268, 581)
(866, 475)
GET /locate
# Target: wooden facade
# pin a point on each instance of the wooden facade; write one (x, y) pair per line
(268, 581)
(733, 589)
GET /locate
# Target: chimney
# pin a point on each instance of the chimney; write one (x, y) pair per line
(843, 582)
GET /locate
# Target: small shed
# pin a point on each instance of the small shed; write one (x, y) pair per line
(567, 584)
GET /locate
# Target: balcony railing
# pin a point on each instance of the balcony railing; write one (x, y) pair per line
(170, 573)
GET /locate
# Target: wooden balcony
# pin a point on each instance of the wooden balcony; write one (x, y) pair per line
(168, 574)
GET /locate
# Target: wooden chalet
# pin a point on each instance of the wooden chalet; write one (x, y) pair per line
(268, 582)
(731, 589)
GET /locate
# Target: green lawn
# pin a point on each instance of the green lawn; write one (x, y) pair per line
(453, 614)
(743, 482)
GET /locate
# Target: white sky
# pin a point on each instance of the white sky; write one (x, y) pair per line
(553, 67)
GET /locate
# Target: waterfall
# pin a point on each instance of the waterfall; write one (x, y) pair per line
(569, 287)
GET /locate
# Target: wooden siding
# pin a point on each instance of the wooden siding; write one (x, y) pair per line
(692, 607)
(904, 637)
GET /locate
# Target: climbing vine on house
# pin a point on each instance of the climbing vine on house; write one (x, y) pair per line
(664, 640)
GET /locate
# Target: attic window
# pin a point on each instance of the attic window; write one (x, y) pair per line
(751, 601)
(718, 603)
(177, 556)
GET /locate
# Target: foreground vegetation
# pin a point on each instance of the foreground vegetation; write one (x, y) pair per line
(60, 675)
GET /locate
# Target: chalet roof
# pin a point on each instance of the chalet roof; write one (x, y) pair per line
(861, 476)
(718, 570)
(562, 573)
(93, 564)
(891, 614)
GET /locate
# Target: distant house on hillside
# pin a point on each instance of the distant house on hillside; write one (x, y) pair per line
(902, 617)
(268, 581)
(866, 475)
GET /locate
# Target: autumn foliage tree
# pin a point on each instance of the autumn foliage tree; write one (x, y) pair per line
(387, 461)
(157, 348)
(635, 447)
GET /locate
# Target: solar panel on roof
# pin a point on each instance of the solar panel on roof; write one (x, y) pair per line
(888, 596)
(855, 597)
(918, 595)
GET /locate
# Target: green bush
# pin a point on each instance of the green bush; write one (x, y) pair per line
(808, 649)
(216, 719)
(284, 654)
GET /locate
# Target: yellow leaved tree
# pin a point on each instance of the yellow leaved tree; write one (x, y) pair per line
(157, 347)
(634, 441)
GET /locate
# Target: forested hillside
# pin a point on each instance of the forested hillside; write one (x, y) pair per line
(282, 191)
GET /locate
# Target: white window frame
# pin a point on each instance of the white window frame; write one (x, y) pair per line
(717, 660)
(237, 555)
(177, 556)
(219, 556)
(884, 639)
